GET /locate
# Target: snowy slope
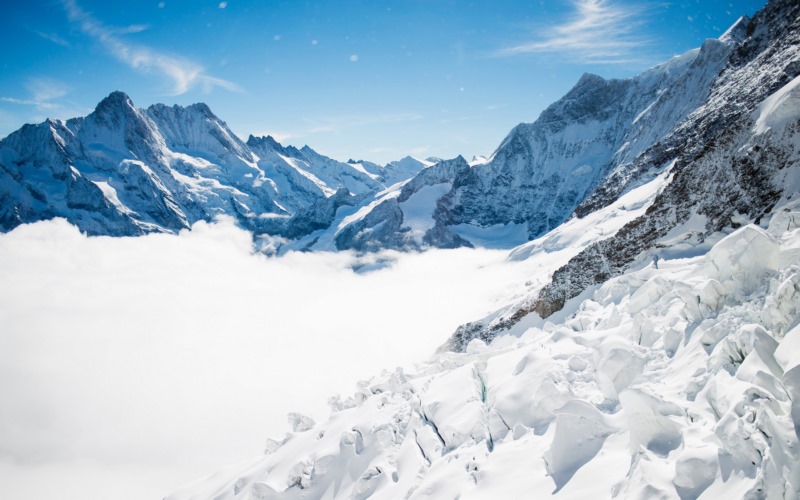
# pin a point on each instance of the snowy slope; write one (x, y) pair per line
(729, 167)
(674, 380)
(401, 217)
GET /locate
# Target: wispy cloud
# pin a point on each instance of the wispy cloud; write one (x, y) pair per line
(53, 37)
(46, 89)
(41, 98)
(599, 32)
(132, 28)
(183, 73)
(28, 102)
(42, 92)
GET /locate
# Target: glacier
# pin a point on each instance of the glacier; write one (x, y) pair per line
(676, 379)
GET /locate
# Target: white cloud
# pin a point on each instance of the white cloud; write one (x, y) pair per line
(222, 5)
(600, 32)
(28, 102)
(42, 93)
(139, 364)
(46, 89)
(53, 37)
(133, 28)
(44, 98)
(354, 58)
(183, 73)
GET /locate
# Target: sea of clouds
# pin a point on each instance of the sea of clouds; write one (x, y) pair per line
(131, 366)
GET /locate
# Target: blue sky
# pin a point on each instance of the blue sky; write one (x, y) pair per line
(353, 79)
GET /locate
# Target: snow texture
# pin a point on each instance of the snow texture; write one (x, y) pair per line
(674, 380)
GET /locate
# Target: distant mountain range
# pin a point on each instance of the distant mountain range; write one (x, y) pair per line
(127, 171)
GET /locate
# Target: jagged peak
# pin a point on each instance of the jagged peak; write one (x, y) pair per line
(589, 78)
(737, 32)
(263, 140)
(306, 149)
(116, 100)
(457, 161)
(202, 108)
(408, 159)
(269, 142)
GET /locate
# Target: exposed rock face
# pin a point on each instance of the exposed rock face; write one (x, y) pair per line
(733, 158)
(381, 228)
(318, 216)
(542, 171)
(726, 165)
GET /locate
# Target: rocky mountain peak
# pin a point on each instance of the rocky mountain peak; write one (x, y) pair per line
(737, 32)
(115, 103)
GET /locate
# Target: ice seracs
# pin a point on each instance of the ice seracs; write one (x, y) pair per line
(674, 380)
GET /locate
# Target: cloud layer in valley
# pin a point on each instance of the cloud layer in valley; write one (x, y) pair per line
(131, 355)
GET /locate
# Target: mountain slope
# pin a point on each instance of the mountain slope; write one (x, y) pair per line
(733, 159)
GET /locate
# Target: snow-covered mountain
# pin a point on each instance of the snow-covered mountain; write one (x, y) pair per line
(126, 171)
(543, 171)
(652, 347)
(732, 160)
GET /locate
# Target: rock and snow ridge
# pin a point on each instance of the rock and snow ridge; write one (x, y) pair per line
(602, 139)
(127, 171)
(728, 168)
(653, 351)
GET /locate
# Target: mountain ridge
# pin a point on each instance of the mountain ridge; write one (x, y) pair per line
(122, 170)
